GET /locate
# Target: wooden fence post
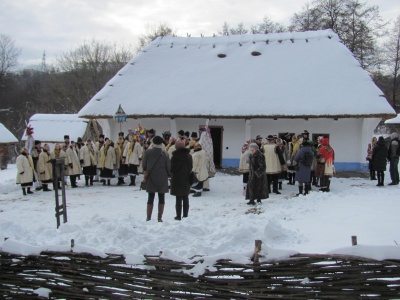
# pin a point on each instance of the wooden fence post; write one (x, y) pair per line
(354, 240)
(255, 258)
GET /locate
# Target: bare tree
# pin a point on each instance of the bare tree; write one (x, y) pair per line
(392, 59)
(84, 71)
(8, 55)
(267, 26)
(152, 32)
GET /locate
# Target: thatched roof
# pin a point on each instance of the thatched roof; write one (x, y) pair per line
(285, 75)
(6, 137)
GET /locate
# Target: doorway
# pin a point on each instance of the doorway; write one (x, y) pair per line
(217, 137)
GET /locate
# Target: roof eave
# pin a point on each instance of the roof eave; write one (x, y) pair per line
(341, 116)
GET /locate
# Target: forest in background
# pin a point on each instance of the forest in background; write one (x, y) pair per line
(79, 74)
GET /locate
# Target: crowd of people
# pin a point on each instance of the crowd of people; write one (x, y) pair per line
(168, 164)
(379, 154)
(293, 158)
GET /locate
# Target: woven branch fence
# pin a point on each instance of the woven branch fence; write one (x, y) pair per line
(84, 276)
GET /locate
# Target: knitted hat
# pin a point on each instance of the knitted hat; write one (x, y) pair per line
(253, 146)
(179, 144)
(157, 140)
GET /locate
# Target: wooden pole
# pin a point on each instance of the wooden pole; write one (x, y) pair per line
(354, 240)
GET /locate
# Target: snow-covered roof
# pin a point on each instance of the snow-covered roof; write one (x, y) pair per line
(52, 127)
(307, 74)
(6, 137)
(395, 120)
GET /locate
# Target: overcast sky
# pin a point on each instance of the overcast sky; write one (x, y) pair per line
(58, 26)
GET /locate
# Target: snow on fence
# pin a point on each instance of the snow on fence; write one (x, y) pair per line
(70, 275)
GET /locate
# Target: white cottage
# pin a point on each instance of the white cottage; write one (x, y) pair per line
(51, 128)
(7, 140)
(247, 85)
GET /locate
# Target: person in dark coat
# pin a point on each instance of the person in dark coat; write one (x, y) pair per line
(157, 162)
(257, 186)
(303, 173)
(181, 166)
(379, 155)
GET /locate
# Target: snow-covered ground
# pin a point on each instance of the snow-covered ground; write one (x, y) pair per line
(104, 219)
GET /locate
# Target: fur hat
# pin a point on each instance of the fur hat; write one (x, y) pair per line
(37, 142)
(187, 134)
(194, 134)
(157, 140)
(101, 136)
(394, 135)
(79, 139)
(121, 134)
(181, 132)
(151, 131)
(258, 137)
(179, 144)
(66, 137)
(270, 137)
(166, 134)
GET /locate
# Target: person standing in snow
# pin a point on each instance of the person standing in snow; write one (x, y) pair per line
(156, 161)
(292, 148)
(131, 156)
(244, 167)
(88, 162)
(97, 146)
(199, 168)
(181, 167)
(378, 160)
(73, 161)
(207, 144)
(370, 149)
(274, 160)
(108, 162)
(25, 171)
(35, 158)
(58, 152)
(119, 151)
(327, 156)
(45, 168)
(303, 174)
(393, 157)
(257, 186)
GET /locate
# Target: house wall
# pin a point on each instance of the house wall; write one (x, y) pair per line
(348, 137)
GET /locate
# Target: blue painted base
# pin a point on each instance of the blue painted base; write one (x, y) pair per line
(340, 166)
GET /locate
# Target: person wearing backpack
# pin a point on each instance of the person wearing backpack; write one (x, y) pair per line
(304, 158)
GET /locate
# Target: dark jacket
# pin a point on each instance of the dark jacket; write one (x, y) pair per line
(157, 162)
(303, 174)
(181, 166)
(379, 155)
(257, 186)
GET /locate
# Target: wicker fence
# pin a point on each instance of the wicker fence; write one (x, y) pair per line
(83, 276)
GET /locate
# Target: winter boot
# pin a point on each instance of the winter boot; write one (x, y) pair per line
(259, 201)
(197, 194)
(119, 181)
(279, 185)
(133, 178)
(185, 208)
(46, 188)
(300, 190)
(290, 176)
(23, 191)
(178, 209)
(307, 189)
(108, 182)
(86, 180)
(29, 191)
(91, 180)
(160, 212)
(149, 211)
(251, 202)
